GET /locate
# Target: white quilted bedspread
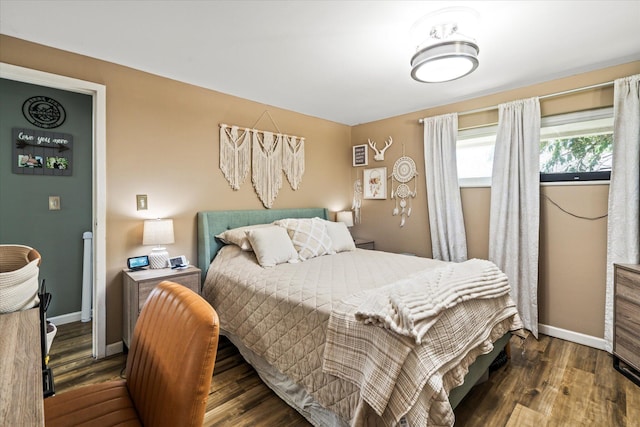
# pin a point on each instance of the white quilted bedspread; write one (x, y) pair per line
(282, 313)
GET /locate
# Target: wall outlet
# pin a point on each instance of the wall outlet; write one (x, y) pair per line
(54, 203)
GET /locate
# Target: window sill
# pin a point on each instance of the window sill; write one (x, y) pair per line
(542, 184)
(564, 183)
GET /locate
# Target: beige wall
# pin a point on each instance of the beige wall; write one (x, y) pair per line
(572, 251)
(162, 140)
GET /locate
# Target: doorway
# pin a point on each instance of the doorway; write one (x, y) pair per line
(97, 93)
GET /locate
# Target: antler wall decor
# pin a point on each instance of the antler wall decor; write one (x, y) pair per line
(379, 156)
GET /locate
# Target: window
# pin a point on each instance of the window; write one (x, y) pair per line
(474, 152)
(573, 147)
(576, 146)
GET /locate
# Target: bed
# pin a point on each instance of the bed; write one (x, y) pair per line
(294, 323)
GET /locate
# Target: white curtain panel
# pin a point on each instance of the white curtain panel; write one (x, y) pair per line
(623, 230)
(514, 219)
(448, 237)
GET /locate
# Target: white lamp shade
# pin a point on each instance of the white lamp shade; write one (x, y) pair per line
(158, 232)
(346, 217)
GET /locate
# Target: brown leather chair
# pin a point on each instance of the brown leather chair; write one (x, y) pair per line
(169, 369)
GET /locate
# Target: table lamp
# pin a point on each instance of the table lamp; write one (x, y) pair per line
(158, 232)
(346, 217)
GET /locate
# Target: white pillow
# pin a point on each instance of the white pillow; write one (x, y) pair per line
(272, 245)
(238, 236)
(309, 236)
(340, 236)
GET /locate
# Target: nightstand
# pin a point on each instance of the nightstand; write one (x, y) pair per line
(137, 285)
(365, 244)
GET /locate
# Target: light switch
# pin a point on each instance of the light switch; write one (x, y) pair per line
(54, 203)
(141, 202)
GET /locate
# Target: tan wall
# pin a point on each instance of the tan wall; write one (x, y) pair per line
(162, 140)
(572, 251)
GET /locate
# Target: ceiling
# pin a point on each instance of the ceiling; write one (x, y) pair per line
(345, 61)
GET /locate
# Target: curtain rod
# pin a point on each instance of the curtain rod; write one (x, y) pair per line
(551, 95)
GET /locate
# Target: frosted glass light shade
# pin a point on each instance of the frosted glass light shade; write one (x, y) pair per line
(158, 232)
(346, 217)
(444, 62)
(447, 47)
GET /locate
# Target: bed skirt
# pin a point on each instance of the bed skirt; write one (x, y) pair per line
(298, 398)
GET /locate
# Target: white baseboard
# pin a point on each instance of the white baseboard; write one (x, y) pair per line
(111, 349)
(65, 318)
(575, 337)
(115, 348)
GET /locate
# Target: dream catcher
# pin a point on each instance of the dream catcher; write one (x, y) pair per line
(404, 170)
(357, 200)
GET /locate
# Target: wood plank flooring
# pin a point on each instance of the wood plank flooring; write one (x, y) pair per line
(549, 382)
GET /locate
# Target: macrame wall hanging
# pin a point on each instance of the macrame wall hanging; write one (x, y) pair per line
(271, 154)
(235, 154)
(266, 171)
(404, 170)
(293, 158)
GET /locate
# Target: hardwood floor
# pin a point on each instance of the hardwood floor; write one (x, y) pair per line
(551, 383)
(237, 396)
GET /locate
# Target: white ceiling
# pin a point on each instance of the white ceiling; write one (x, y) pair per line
(345, 61)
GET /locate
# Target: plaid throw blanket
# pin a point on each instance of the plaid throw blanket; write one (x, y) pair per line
(412, 305)
(399, 377)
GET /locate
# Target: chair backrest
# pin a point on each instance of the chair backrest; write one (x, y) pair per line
(172, 355)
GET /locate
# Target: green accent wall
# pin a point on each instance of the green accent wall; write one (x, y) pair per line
(25, 217)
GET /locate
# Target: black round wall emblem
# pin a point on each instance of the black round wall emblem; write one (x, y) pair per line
(43, 112)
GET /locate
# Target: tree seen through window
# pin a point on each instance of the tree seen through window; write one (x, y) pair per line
(590, 153)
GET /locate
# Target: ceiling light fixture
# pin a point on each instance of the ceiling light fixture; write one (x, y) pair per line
(447, 48)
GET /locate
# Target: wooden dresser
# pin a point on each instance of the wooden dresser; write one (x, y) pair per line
(21, 397)
(626, 332)
(137, 286)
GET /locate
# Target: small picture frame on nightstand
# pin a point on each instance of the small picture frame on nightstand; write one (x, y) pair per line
(179, 262)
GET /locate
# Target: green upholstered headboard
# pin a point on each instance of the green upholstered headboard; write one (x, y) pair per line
(211, 223)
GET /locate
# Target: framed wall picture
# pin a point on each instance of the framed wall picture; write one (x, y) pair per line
(375, 183)
(41, 152)
(360, 155)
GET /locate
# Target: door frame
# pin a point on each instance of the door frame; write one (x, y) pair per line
(99, 183)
